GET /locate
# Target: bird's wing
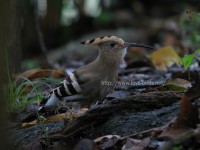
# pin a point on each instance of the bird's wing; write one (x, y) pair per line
(70, 86)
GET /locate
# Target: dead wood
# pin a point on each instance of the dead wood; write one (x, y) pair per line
(103, 114)
(131, 104)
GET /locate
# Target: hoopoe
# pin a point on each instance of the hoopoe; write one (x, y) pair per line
(86, 80)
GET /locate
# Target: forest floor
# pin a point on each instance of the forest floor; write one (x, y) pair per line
(155, 104)
(160, 111)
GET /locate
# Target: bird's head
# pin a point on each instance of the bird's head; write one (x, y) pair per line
(112, 44)
(112, 49)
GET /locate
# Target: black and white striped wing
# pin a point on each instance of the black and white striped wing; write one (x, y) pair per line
(70, 86)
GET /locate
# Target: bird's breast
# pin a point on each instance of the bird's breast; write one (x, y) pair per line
(97, 88)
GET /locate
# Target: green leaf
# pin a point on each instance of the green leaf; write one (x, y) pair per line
(197, 54)
(187, 60)
(180, 147)
(104, 18)
(172, 87)
(198, 51)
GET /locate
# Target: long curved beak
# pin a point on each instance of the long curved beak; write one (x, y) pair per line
(127, 44)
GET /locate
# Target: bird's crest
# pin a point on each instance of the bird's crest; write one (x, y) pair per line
(103, 39)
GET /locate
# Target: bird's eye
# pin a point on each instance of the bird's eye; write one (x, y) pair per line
(112, 44)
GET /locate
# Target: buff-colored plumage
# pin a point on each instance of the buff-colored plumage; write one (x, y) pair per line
(86, 81)
(104, 39)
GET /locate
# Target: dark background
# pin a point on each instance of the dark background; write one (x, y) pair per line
(30, 29)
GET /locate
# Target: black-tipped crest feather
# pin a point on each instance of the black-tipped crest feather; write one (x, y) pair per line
(83, 42)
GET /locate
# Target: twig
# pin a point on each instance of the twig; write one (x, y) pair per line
(40, 34)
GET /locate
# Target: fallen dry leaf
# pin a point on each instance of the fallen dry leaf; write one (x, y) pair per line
(188, 114)
(185, 122)
(38, 73)
(29, 124)
(193, 92)
(164, 57)
(129, 144)
(176, 84)
(107, 141)
(143, 144)
(56, 118)
(70, 115)
(181, 82)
